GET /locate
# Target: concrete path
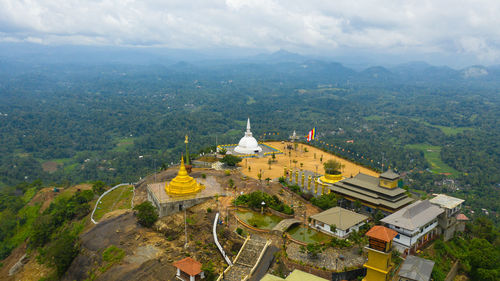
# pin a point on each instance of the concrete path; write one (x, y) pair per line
(264, 264)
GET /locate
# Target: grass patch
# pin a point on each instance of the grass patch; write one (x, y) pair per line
(449, 131)
(432, 154)
(111, 256)
(123, 143)
(29, 194)
(120, 198)
(373, 118)
(29, 214)
(250, 100)
(241, 123)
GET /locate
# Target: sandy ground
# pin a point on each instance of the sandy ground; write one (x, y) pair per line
(307, 158)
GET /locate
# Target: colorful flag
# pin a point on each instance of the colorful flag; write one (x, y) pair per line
(311, 135)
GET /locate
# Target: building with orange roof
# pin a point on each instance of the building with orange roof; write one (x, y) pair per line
(189, 269)
(379, 263)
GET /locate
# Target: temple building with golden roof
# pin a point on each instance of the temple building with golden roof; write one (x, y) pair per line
(183, 191)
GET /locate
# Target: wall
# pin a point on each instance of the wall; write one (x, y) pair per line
(165, 209)
(453, 272)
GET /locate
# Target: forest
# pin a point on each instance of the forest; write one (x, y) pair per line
(63, 124)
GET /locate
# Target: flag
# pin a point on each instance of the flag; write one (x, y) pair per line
(311, 135)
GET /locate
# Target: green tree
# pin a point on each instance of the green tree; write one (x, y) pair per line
(62, 251)
(231, 160)
(332, 167)
(99, 187)
(333, 228)
(146, 214)
(484, 260)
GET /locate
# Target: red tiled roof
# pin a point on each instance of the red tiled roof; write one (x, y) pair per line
(462, 217)
(381, 233)
(189, 266)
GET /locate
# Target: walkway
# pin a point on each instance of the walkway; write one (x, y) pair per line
(283, 225)
(246, 261)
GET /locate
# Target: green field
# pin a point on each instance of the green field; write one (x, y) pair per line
(250, 101)
(120, 198)
(433, 155)
(449, 131)
(373, 118)
(123, 143)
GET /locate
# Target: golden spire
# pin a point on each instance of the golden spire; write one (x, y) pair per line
(186, 139)
(183, 184)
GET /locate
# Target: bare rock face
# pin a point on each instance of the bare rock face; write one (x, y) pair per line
(142, 249)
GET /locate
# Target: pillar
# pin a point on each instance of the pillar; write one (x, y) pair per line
(284, 172)
(290, 172)
(315, 187)
(296, 177)
(323, 188)
(303, 177)
(309, 183)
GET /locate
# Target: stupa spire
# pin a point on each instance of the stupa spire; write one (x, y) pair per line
(248, 125)
(183, 184)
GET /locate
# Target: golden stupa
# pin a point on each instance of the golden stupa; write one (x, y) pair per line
(330, 178)
(183, 184)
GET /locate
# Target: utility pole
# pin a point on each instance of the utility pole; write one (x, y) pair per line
(185, 228)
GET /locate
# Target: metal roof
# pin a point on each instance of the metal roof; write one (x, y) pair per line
(389, 174)
(414, 216)
(415, 268)
(341, 218)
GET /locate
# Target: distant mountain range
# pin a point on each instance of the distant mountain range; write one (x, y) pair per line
(20, 57)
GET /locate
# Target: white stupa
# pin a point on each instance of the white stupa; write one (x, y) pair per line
(248, 144)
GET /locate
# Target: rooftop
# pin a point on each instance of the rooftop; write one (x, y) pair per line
(462, 217)
(389, 174)
(381, 233)
(341, 218)
(414, 216)
(189, 266)
(365, 187)
(446, 201)
(296, 275)
(415, 268)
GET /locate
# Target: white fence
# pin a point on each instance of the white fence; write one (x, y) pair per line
(102, 195)
(217, 240)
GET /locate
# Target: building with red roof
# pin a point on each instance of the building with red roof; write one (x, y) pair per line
(189, 269)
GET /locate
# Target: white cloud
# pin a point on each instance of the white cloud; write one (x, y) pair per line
(445, 26)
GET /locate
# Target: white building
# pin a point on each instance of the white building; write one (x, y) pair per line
(248, 144)
(345, 221)
(416, 224)
(449, 221)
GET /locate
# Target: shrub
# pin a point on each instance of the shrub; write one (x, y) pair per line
(203, 176)
(231, 160)
(209, 210)
(99, 187)
(146, 214)
(332, 167)
(239, 231)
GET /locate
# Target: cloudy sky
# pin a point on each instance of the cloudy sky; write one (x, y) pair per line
(422, 28)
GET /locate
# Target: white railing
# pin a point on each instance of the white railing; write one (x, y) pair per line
(102, 195)
(217, 241)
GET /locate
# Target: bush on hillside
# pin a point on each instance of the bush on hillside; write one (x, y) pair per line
(146, 214)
